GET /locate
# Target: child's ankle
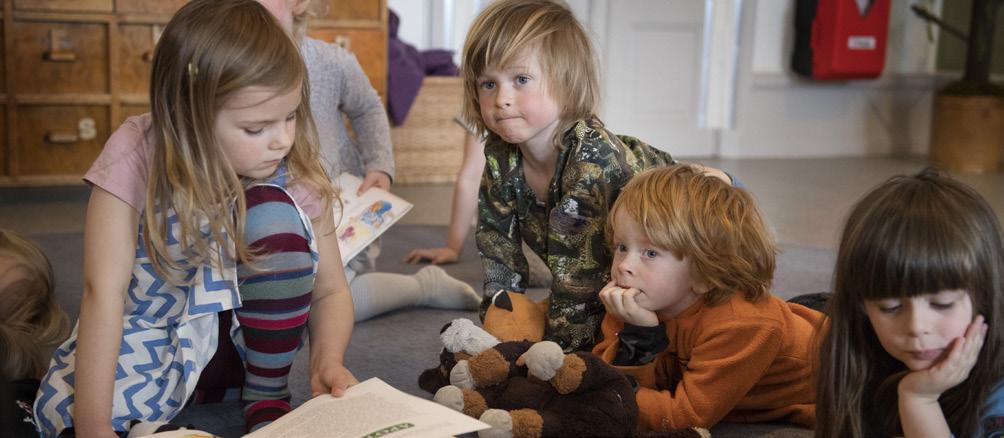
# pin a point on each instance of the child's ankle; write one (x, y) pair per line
(259, 413)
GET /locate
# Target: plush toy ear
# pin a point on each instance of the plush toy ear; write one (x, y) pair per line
(463, 336)
(445, 326)
(434, 378)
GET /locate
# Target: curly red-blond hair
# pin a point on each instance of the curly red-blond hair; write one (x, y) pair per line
(707, 221)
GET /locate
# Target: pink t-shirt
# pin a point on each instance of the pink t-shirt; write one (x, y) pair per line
(124, 164)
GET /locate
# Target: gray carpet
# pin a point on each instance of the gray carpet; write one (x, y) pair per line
(397, 346)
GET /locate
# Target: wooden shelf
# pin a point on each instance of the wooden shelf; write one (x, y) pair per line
(73, 70)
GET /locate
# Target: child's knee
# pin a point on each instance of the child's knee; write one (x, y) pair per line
(272, 212)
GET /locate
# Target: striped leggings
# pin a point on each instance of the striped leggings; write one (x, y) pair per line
(276, 292)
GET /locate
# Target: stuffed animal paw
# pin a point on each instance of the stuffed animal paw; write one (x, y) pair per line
(460, 375)
(543, 360)
(490, 367)
(509, 424)
(467, 401)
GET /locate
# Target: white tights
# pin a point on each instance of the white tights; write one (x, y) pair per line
(375, 293)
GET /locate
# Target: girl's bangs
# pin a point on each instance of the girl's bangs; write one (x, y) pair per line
(911, 257)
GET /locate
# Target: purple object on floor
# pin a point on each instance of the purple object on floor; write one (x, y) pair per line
(406, 67)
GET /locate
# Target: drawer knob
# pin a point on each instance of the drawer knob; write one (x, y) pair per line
(60, 137)
(86, 130)
(344, 41)
(55, 53)
(155, 32)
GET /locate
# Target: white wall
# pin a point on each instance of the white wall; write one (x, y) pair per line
(415, 20)
(436, 24)
(776, 113)
(779, 114)
(908, 52)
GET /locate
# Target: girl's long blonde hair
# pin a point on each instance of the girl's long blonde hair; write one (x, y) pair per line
(210, 50)
(31, 320)
(911, 235)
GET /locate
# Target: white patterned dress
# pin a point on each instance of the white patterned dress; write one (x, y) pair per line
(169, 334)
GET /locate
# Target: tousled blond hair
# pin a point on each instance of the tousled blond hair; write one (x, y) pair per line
(707, 221)
(508, 29)
(208, 52)
(31, 320)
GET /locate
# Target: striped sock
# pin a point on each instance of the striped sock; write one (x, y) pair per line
(276, 302)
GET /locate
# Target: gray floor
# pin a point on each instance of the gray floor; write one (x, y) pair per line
(805, 202)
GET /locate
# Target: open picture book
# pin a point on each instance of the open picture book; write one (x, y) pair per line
(361, 219)
(370, 409)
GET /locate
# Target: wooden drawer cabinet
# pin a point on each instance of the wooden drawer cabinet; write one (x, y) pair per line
(158, 7)
(3, 135)
(59, 140)
(129, 111)
(370, 48)
(3, 68)
(65, 5)
(60, 58)
(136, 44)
(372, 10)
(71, 71)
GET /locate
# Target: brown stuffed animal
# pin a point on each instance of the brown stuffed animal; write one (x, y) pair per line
(528, 389)
(510, 317)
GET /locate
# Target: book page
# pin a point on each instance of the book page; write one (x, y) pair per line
(364, 218)
(368, 410)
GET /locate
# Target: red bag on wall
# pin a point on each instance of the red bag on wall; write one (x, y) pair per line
(840, 39)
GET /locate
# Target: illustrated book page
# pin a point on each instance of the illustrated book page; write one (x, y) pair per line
(362, 219)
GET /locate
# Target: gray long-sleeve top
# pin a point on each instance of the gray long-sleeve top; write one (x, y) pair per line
(339, 85)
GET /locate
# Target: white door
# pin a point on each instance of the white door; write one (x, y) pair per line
(651, 54)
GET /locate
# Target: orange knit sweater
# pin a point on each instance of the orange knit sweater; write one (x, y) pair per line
(736, 361)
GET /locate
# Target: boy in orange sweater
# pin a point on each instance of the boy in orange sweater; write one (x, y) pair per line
(689, 311)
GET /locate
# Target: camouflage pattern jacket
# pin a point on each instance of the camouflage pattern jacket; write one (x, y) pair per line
(568, 231)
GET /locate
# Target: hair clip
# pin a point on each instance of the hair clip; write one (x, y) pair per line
(193, 70)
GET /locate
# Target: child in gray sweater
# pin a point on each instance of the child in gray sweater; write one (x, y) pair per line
(338, 85)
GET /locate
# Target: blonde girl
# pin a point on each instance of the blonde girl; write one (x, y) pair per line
(219, 233)
(32, 323)
(915, 330)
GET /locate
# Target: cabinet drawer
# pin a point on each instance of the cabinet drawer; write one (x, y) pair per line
(369, 46)
(136, 43)
(55, 58)
(3, 67)
(355, 10)
(3, 141)
(64, 5)
(161, 7)
(130, 110)
(59, 140)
